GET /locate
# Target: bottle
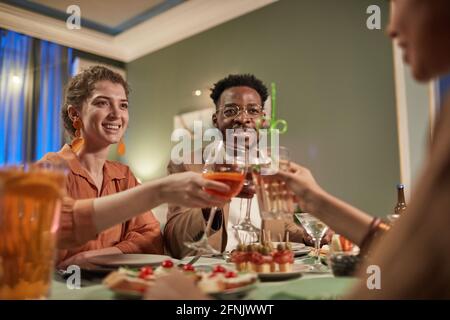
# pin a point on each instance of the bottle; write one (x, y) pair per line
(401, 203)
(400, 207)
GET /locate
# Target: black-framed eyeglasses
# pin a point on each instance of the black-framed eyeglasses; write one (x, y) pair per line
(233, 110)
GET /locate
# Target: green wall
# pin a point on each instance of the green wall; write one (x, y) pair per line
(335, 87)
(417, 99)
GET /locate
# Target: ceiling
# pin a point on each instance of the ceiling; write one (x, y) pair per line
(107, 16)
(123, 30)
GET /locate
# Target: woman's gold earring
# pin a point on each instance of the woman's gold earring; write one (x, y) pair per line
(121, 148)
(78, 142)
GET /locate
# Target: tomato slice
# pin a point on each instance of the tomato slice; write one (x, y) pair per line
(219, 269)
(188, 267)
(167, 264)
(346, 244)
(230, 274)
(145, 272)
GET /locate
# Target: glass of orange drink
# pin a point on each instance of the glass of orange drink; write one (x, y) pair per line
(226, 168)
(30, 198)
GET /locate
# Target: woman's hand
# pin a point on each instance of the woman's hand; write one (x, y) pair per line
(188, 189)
(301, 182)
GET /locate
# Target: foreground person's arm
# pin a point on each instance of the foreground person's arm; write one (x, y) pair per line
(413, 258)
(82, 220)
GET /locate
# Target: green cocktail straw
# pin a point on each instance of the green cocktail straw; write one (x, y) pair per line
(274, 104)
(275, 123)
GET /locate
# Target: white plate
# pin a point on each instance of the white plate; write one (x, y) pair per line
(130, 260)
(299, 249)
(297, 270)
(295, 245)
(302, 252)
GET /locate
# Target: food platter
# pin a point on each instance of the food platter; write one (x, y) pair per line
(219, 282)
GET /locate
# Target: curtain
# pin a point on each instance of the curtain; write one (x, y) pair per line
(53, 74)
(15, 52)
(33, 74)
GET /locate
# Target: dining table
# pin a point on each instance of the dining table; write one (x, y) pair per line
(307, 286)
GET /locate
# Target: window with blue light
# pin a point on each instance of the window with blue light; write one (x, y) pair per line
(32, 77)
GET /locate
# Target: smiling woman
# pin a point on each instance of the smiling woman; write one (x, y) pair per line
(95, 115)
(98, 88)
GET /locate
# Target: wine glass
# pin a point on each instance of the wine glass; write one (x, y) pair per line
(246, 146)
(222, 165)
(316, 229)
(246, 224)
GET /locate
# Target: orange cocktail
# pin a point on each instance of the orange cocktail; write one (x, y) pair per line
(234, 180)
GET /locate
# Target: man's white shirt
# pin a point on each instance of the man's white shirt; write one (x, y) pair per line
(236, 215)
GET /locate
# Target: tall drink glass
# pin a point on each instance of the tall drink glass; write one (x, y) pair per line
(274, 198)
(29, 214)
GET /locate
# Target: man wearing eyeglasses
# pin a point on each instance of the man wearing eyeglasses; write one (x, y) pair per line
(239, 101)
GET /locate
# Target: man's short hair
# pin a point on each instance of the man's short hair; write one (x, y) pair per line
(238, 80)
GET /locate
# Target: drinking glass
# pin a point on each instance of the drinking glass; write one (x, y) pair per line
(247, 147)
(230, 171)
(274, 198)
(29, 214)
(316, 229)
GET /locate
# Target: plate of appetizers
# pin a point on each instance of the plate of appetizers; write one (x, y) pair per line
(219, 282)
(227, 284)
(269, 261)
